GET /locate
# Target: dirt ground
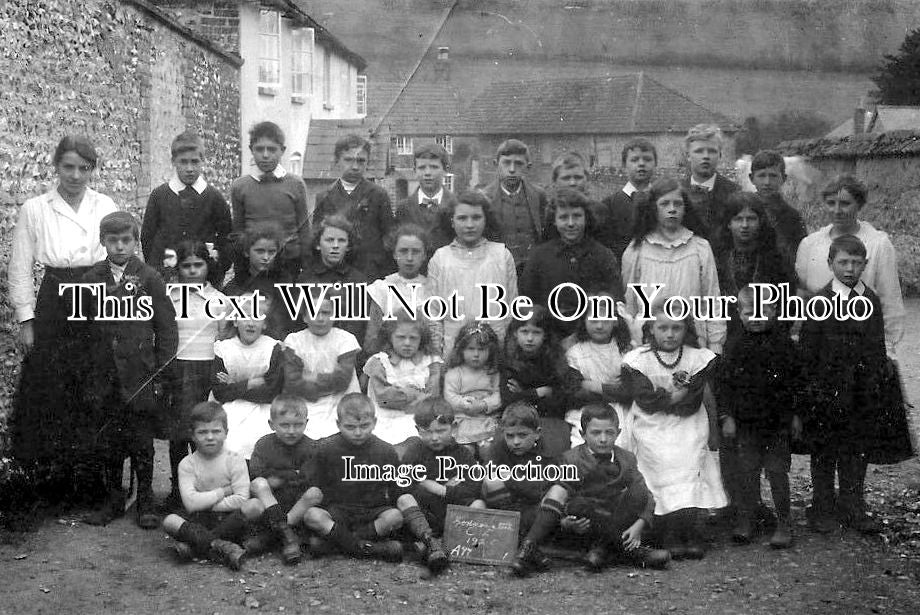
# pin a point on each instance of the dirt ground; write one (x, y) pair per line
(68, 567)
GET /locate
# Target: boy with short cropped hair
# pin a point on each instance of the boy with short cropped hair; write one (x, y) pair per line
(186, 208)
(610, 496)
(707, 188)
(214, 484)
(430, 205)
(768, 174)
(281, 468)
(269, 194)
(570, 170)
(846, 363)
(130, 356)
(758, 382)
(363, 203)
(436, 425)
(618, 211)
(519, 205)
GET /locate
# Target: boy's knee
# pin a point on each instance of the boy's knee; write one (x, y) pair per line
(391, 519)
(315, 518)
(172, 523)
(252, 509)
(405, 501)
(557, 493)
(492, 485)
(259, 486)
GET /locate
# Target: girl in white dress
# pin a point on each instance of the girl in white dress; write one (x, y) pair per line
(404, 372)
(671, 430)
(598, 355)
(247, 374)
(472, 384)
(319, 365)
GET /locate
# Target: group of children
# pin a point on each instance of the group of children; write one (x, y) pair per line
(264, 415)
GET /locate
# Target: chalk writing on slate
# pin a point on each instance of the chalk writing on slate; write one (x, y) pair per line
(481, 536)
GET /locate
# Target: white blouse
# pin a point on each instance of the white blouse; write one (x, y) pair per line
(50, 232)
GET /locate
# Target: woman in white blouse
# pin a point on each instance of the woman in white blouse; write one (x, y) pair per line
(844, 197)
(50, 424)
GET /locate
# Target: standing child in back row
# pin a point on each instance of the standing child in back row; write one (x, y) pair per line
(708, 190)
(271, 194)
(615, 226)
(430, 204)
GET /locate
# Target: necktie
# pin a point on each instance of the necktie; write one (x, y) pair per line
(429, 203)
(699, 189)
(602, 459)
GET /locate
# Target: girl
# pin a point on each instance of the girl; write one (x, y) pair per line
(667, 249)
(472, 383)
(245, 377)
(197, 335)
(261, 247)
(670, 428)
(332, 246)
(409, 245)
(471, 260)
(535, 371)
(597, 355)
(404, 372)
(319, 365)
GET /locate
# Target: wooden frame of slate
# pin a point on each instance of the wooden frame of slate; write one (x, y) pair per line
(481, 536)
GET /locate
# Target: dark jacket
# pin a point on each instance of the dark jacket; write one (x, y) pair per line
(435, 220)
(710, 206)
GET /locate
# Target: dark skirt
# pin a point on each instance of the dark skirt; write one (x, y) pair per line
(53, 425)
(193, 385)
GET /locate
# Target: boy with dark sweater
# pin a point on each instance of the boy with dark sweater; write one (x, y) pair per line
(609, 499)
(758, 382)
(618, 211)
(130, 358)
(185, 208)
(430, 205)
(363, 203)
(434, 419)
(280, 467)
(707, 188)
(357, 515)
(271, 195)
(768, 174)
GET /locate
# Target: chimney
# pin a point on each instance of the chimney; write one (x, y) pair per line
(859, 117)
(442, 64)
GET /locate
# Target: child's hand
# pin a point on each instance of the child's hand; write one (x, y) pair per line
(679, 395)
(729, 428)
(224, 378)
(275, 482)
(575, 525)
(796, 428)
(544, 391)
(254, 382)
(632, 537)
(514, 386)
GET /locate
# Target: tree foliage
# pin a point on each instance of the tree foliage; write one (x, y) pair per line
(898, 78)
(766, 133)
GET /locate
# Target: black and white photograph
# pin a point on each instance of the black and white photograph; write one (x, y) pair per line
(486, 306)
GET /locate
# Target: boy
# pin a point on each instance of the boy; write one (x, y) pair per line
(758, 381)
(271, 194)
(845, 363)
(519, 205)
(618, 210)
(358, 514)
(570, 171)
(214, 484)
(185, 208)
(610, 499)
(434, 419)
(768, 174)
(708, 189)
(280, 468)
(130, 359)
(365, 204)
(430, 205)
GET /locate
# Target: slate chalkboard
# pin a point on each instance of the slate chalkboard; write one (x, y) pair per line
(481, 536)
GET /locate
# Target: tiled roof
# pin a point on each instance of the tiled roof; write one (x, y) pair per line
(886, 119)
(892, 143)
(317, 162)
(428, 105)
(620, 104)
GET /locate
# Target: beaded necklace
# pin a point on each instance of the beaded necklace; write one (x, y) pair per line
(672, 365)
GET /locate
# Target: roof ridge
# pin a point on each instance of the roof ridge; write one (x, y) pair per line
(690, 100)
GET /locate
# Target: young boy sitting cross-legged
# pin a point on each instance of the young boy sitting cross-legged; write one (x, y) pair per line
(357, 514)
(214, 485)
(280, 467)
(610, 493)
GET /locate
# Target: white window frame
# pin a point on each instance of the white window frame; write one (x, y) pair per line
(295, 162)
(302, 41)
(361, 95)
(403, 146)
(269, 48)
(448, 182)
(447, 142)
(327, 78)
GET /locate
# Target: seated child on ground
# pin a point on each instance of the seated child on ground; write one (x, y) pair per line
(405, 371)
(434, 419)
(609, 498)
(359, 516)
(281, 467)
(320, 365)
(214, 485)
(246, 375)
